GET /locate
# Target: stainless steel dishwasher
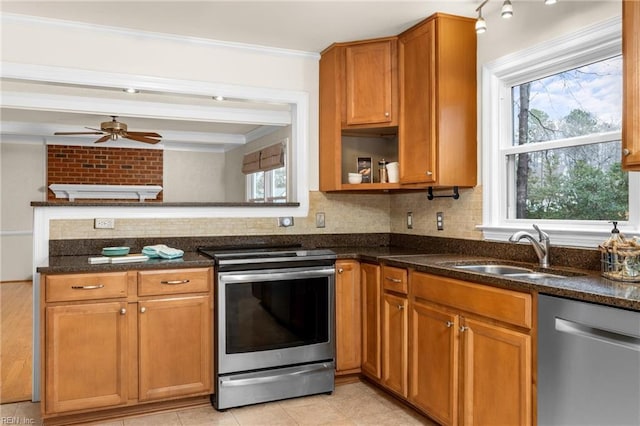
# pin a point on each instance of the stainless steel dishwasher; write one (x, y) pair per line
(588, 364)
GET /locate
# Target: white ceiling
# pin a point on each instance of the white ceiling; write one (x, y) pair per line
(308, 26)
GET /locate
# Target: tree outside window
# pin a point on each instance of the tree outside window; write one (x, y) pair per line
(565, 159)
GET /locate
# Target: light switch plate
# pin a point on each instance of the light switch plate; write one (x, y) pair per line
(440, 221)
(320, 220)
(409, 220)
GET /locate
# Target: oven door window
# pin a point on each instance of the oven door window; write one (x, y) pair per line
(269, 315)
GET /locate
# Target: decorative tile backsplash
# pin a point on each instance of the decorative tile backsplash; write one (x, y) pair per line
(344, 214)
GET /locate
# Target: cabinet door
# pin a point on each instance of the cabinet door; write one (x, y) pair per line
(370, 70)
(394, 343)
(175, 338)
(85, 356)
(433, 362)
(416, 129)
(370, 286)
(348, 316)
(631, 85)
(497, 378)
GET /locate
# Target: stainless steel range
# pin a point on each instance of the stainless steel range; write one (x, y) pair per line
(274, 324)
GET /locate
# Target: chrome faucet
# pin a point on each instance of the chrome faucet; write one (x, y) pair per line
(541, 246)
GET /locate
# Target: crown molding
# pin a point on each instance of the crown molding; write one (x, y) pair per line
(53, 22)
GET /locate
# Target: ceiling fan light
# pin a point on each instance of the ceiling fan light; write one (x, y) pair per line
(507, 9)
(114, 136)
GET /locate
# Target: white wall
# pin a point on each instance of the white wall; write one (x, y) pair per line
(62, 44)
(193, 176)
(22, 180)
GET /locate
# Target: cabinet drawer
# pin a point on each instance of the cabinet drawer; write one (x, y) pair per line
(70, 287)
(174, 281)
(503, 305)
(394, 279)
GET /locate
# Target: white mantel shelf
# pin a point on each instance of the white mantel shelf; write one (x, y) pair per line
(106, 192)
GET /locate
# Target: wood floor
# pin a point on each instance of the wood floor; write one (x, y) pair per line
(15, 341)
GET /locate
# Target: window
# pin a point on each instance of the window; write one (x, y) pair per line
(551, 141)
(266, 173)
(269, 186)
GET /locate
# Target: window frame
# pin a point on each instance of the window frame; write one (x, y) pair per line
(582, 47)
(269, 176)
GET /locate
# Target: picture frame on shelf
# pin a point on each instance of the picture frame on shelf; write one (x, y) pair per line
(364, 168)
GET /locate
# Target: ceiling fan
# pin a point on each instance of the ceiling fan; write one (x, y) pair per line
(113, 130)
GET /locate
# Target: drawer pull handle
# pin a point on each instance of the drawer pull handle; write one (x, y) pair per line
(393, 280)
(87, 287)
(174, 282)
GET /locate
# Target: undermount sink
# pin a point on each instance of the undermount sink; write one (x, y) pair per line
(508, 270)
(495, 269)
(535, 275)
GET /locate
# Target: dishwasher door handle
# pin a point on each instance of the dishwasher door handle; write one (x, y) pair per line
(604, 336)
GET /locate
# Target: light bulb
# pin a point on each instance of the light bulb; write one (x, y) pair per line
(481, 25)
(549, 2)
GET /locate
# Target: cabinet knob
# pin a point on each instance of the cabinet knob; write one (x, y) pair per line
(143, 309)
(429, 173)
(463, 329)
(449, 324)
(400, 307)
(123, 311)
(626, 152)
(340, 270)
(386, 114)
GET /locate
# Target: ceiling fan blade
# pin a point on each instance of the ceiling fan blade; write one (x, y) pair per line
(140, 138)
(103, 139)
(151, 134)
(78, 133)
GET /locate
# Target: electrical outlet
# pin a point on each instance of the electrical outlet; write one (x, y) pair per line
(104, 223)
(409, 220)
(285, 221)
(320, 220)
(440, 221)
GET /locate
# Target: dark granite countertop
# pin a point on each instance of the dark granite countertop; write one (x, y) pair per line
(580, 284)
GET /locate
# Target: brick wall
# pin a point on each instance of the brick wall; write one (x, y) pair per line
(104, 166)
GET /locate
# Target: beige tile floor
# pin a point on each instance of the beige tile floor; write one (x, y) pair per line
(351, 404)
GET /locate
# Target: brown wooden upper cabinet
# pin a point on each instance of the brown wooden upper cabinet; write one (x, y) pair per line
(631, 85)
(437, 128)
(410, 99)
(371, 83)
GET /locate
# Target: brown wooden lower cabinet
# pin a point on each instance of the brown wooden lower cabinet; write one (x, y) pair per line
(394, 343)
(86, 347)
(371, 332)
(105, 347)
(433, 361)
(175, 347)
(348, 317)
(471, 361)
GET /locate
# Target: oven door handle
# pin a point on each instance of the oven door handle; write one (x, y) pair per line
(275, 276)
(299, 371)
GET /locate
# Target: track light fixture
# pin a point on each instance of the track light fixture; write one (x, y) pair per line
(505, 12)
(507, 9)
